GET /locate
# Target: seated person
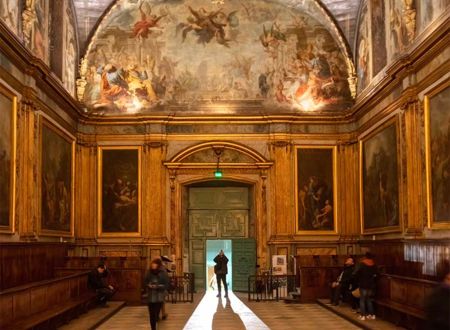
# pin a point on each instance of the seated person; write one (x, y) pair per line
(343, 284)
(97, 282)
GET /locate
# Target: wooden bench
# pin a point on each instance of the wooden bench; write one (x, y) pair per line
(401, 299)
(127, 280)
(45, 304)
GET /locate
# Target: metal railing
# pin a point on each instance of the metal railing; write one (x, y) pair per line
(181, 289)
(270, 287)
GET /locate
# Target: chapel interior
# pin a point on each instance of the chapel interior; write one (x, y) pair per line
(290, 134)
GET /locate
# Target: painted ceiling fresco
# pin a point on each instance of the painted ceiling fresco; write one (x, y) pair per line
(148, 55)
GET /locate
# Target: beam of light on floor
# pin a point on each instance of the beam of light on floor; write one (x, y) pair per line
(203, 316)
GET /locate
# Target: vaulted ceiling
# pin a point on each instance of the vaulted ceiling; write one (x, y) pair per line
(89, 12)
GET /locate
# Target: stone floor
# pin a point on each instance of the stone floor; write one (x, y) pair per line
(209, 312)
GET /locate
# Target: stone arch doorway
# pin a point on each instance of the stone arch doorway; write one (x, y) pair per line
(194, 166)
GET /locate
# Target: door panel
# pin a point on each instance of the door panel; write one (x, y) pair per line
(244, 262)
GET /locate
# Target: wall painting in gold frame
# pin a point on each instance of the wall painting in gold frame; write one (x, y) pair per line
(119, 191)
(437, 135)
(57, 172)
(380, 175)
(8, 115)
(315, 190)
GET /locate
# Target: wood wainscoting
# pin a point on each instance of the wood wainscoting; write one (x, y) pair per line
(22, 263)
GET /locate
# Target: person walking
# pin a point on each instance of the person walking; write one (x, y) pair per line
(156, 281)
(221, 271)
(365, 275)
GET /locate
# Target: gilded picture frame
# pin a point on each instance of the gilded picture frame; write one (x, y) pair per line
(437, 120)
(124, 215)
(8, 128)
(313, 181)
(51, 136)
(389, 194)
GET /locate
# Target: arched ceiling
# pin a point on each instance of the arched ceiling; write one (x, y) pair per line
(89, 12)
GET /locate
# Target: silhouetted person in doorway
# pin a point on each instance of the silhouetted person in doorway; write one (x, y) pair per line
(221, 271)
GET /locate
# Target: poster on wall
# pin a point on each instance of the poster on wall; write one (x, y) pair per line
(8, 110)
(57, 173)
(379, 182)
(437, 124)
(279, 264)
(119, 191)
(316, 190)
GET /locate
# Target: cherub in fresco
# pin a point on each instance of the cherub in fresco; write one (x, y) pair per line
(209, 25)
(142, 28)
(270, 39)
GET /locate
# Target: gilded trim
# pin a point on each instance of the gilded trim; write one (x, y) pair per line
(335, 190)
(430, 220)
(100, 232)
(392, 121)
(47, 232)
(13, 140)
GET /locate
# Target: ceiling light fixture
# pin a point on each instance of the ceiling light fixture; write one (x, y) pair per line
(218, 174)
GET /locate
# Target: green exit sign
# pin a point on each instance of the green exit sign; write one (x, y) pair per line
(218, 174)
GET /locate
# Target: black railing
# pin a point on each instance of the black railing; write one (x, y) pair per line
(181, 288)
(270, 287)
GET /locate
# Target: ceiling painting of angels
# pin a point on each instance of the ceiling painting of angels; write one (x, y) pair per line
(153, 54)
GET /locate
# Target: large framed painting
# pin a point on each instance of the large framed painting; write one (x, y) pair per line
(315, 177)
(56, 180)
(8, 112)
(437, 126)
(119, 191)
(379, 179)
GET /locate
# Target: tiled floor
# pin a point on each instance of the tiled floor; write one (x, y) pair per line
(209, 312)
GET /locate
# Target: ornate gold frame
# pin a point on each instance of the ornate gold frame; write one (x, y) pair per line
(335, 189)
(100, 232)
(392, 121)
(47, 232)
(431, 223)
(13, 140)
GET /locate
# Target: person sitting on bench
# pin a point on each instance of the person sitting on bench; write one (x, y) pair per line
(97, 282)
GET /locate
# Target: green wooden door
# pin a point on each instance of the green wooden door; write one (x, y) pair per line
(244, 262)
(214, 213)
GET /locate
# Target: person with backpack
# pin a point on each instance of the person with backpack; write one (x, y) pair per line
(221, 271)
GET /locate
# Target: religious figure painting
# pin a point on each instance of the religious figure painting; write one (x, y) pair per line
(379, 180)
(7, 159)
(119, 191)
(315, 191)
(70, 50)
(438, 156)
(57, 171)
(363, 49)
(35, 19)
(400, 24)
(150, 54)
(378, 35)
(9, 13)
(430, 10)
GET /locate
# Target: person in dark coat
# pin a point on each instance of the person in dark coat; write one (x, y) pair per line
(342, 285)
(156, 282)
(221, 271)
(97, 282)
(437, 306)
(365, 275)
